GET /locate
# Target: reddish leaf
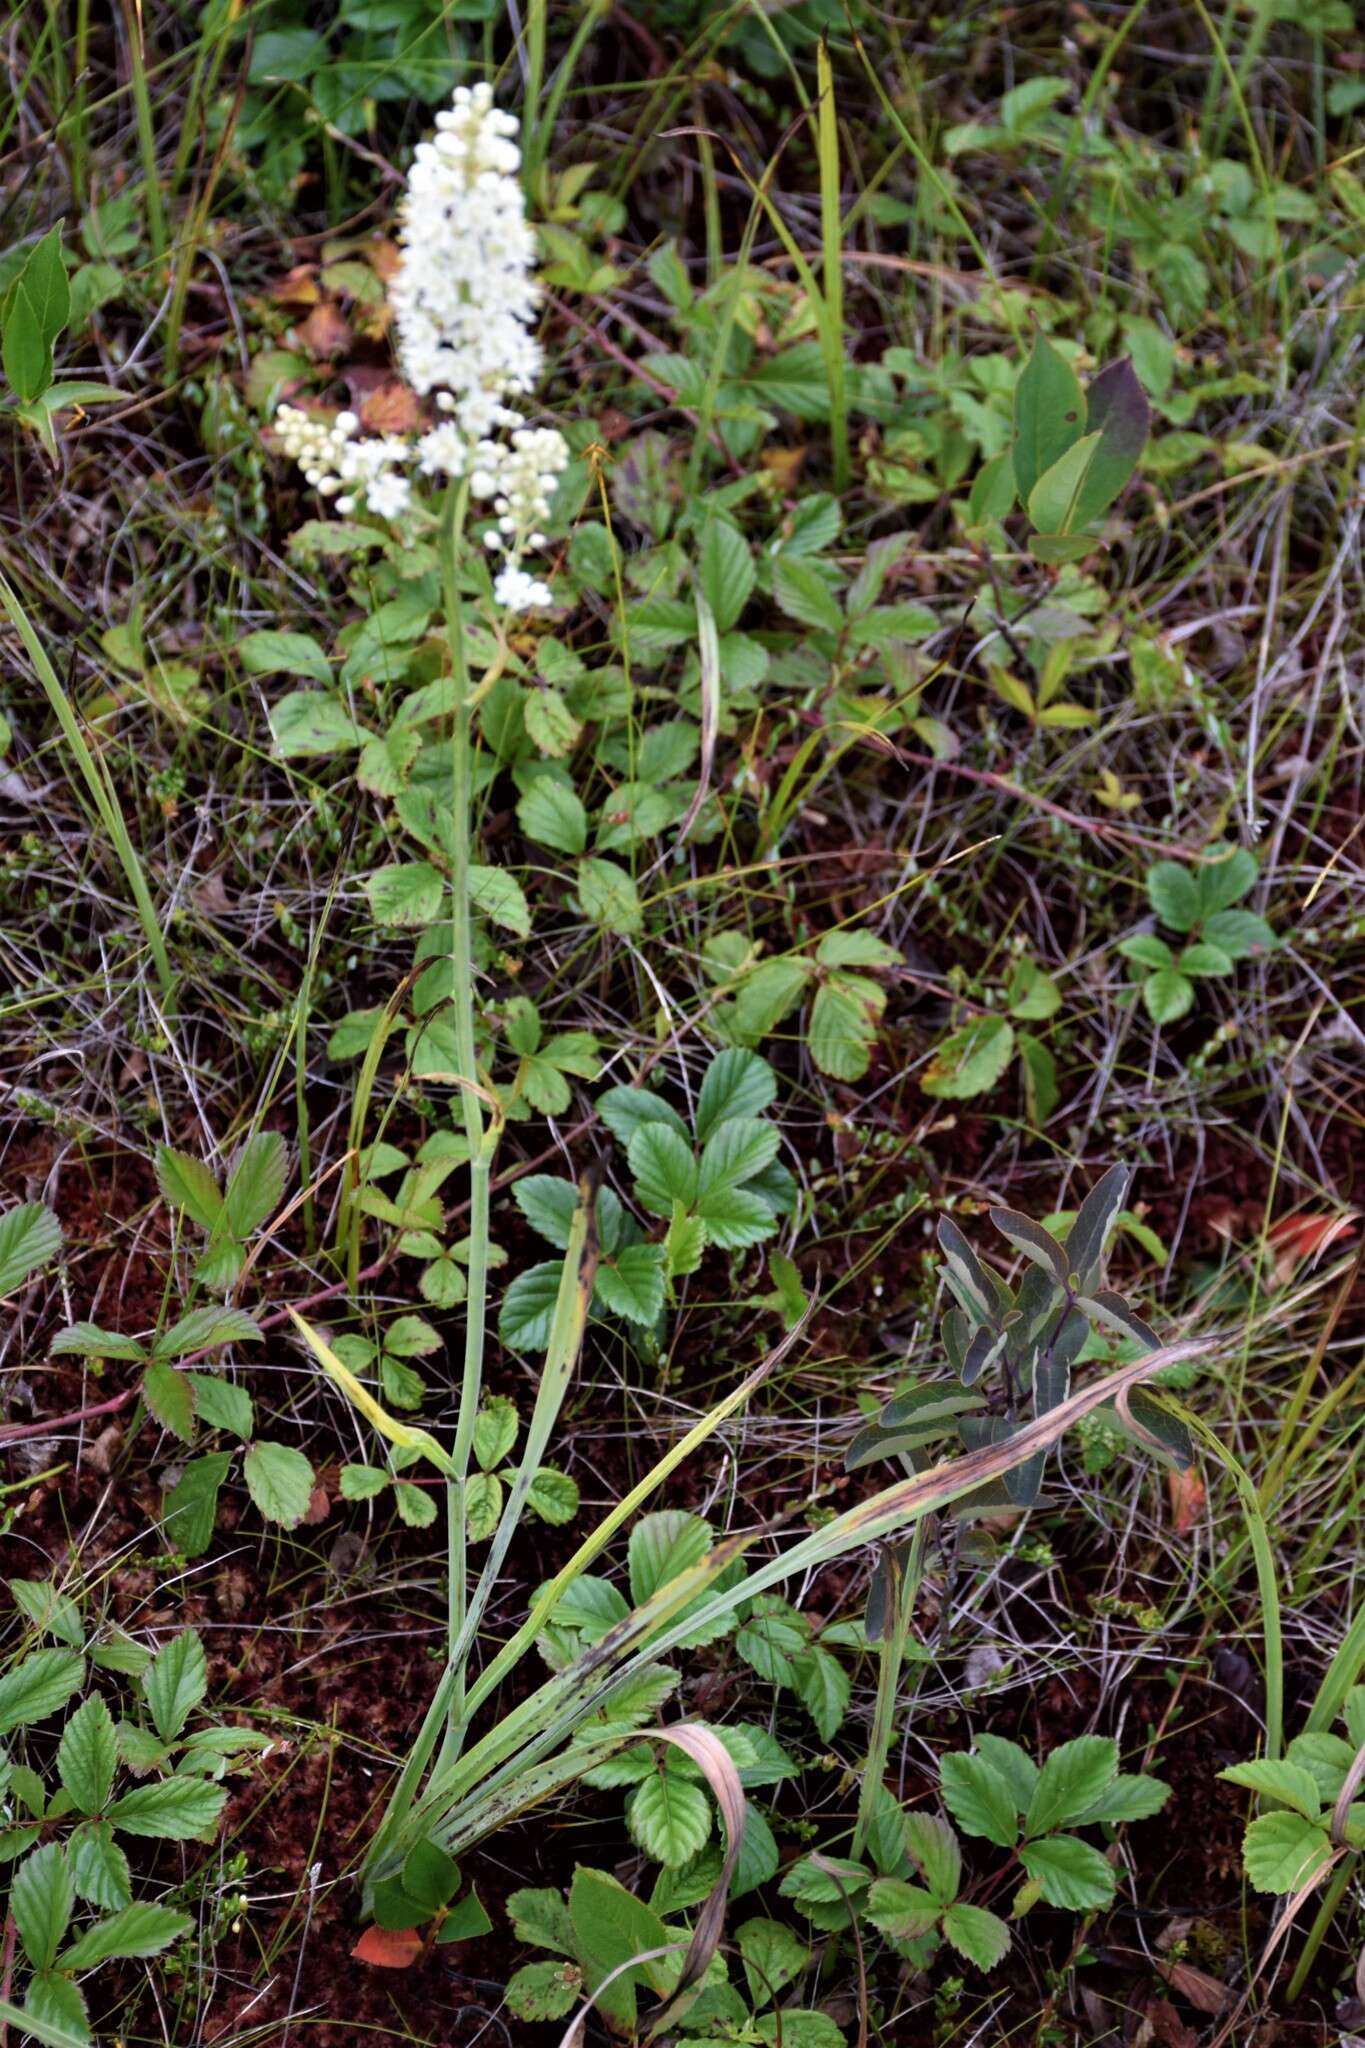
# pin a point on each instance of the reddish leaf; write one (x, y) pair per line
(385, 1948)
(1187, 1499)
(1306, 1236)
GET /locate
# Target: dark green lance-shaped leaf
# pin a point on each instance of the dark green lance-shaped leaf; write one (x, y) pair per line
(1033, 1241)
(1116, 409)
(1113, 1311)
(142, 1929)
(174, 1683)
(1049, 414)
(191, 1506)
(87, 1756)
(1053, 505)
(45, 282)
(41, 1899)
(29, 1236)
(1096, 1217)
(171, 1810)
(41, 1684)
(27, 356)
(965, 1273)
(611, 1926)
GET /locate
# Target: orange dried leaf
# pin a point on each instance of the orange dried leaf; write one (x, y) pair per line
(388, 1948)
(1188, 1495)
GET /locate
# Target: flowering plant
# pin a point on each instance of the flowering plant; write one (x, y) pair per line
(462, 302)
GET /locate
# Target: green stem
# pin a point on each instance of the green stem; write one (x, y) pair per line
(482, 1141)
(906, 1570)
(1322, 1920)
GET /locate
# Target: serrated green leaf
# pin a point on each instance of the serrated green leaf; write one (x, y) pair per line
(87, 1756)
(41, 1898)
(1290, 1783)
(30, 1235)
(271, 652)
(191, 1506)
(1071, 1780)
(1069, 1872)
(221, 1405)
(170, 1398)
(528, 1307)
(664, 1168)
(50, 1612)
(280, 1482)
(142, 1929)
(544, 1991)
(979, 1799)
(203, 1329)
(980, 1936)
(970, 1061)
(1167, 995)
(632, 1282)
(843, 1025)
(669, 1817)
(99, 1868)
(737, 1083)
(174, 1683)
(186, 1183)
(552, 814)
(1174, 895)
(255, 1186)
(1282, 1852)
(609, 897)
(500, 897)
(553, 1496)
(172, 1810)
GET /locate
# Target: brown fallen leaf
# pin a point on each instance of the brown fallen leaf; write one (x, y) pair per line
(391, 409)
(388, 1948)
(325, 332)
(1196, 1987)
(299, 287)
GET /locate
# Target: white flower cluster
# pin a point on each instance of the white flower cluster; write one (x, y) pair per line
(463, 302)
(340, 467)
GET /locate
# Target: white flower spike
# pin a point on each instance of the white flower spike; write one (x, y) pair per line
(463, 303)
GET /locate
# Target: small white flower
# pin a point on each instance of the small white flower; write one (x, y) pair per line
(519, 592)
(464, 301)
